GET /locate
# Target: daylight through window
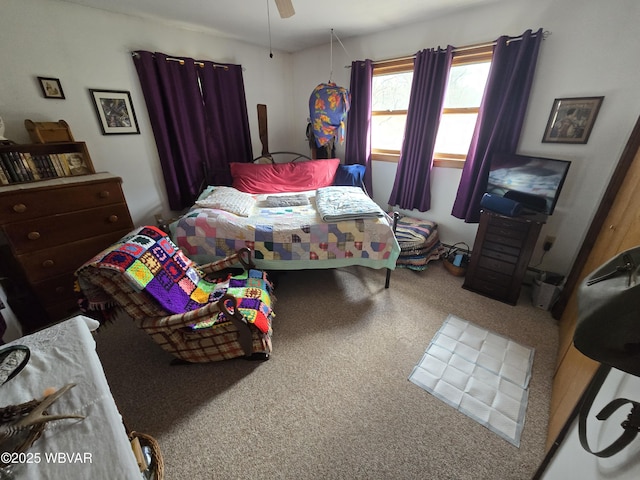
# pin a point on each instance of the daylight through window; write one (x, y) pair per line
(390, 101)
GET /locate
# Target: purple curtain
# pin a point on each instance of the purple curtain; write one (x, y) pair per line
(228, 136)
(358, 137)
(411, 188)
(500, 118)
(199, 120)
(175, 108)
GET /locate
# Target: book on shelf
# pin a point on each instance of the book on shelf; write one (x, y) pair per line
(8, 166)
(18, 167)
(24, 167)
(57, 166)
(4, 176)
(32, 165)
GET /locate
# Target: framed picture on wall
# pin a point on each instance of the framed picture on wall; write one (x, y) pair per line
(115, 111)
(571, 120)
(51, 87)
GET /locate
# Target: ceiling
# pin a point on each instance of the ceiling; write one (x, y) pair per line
(310, 26)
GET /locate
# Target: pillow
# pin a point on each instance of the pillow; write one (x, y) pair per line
(298, 200)
(349, 175)
(229, 199)
(283, 177)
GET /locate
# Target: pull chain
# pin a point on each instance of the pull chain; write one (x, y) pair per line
(331, 57)
(269, 24)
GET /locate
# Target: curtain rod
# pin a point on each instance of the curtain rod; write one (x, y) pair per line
(545, 35)
(181, 62)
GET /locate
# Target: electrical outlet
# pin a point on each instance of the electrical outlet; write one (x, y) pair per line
(549, 240)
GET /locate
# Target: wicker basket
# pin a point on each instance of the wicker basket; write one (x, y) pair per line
(156, 468)
(450, 255)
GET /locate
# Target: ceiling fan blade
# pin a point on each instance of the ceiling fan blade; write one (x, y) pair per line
(285, 8)
(263, 131)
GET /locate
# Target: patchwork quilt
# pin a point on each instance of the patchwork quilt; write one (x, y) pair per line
(287, 238)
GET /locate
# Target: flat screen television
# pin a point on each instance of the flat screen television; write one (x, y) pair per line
(535, 182)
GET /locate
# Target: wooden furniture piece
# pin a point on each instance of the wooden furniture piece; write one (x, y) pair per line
(501, 254)
(36, 162)
(615, 228)
(47, 230)
(47, 132)
(94, 447)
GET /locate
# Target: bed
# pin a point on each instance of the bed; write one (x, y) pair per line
(274, 210)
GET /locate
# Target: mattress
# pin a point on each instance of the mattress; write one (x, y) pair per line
(290, 237)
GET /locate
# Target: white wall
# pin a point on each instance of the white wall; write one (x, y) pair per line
(89, 48)
(592, 51)
(572, 461)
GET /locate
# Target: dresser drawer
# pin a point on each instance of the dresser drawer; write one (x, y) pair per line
(508, 224)
(488, 288)
(500, 247)
(41, 233)
(45, 264)
(57, 289)
(503, 232)
(497, 265)
(26, 204)
(499, 255)
(513, 242)
(490, 276)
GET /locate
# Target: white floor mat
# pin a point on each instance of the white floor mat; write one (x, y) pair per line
(482, 374)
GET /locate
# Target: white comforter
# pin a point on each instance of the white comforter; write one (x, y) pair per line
(345, 203)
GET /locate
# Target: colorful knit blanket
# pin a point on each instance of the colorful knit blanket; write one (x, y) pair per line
(153, 264)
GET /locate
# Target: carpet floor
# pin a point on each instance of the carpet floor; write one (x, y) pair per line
(334, 400)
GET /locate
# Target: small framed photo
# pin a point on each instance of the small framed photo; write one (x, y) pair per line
(571, 120)
(115, 111)
(75, 164)
(51, 87)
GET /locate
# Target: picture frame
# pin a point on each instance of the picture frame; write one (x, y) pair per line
(75, 163)
(51, 87)
(571, 119)
(115, 112)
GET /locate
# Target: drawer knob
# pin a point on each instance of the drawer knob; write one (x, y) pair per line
(33, 235)
(104, 194)
(113, 218)
(48, 263)
(19, 208)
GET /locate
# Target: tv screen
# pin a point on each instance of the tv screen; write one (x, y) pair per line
(535, 182)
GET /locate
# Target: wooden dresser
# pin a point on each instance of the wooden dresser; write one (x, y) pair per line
(501, 253)
(49, 228)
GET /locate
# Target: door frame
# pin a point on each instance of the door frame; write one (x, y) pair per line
(626, 159)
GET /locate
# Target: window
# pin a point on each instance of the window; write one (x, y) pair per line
(390, 101)
(391, 89)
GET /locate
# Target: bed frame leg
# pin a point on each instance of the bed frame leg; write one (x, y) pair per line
(396, 216)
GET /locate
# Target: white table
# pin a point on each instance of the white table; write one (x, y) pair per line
(96, 447)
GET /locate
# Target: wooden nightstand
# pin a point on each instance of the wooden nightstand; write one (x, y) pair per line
(501, 254)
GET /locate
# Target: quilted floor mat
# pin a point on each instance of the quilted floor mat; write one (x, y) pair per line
(482, 374)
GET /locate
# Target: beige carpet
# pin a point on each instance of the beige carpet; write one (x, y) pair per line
(334, 400)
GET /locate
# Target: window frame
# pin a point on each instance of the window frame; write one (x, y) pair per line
(461, 56)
